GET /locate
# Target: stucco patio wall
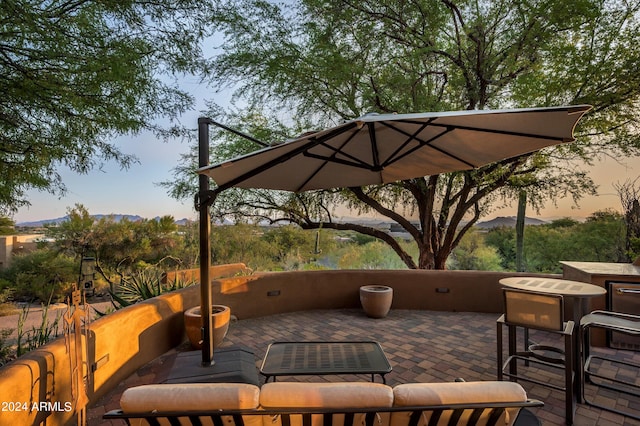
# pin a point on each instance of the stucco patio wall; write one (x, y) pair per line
(123, 341)
(270, 293)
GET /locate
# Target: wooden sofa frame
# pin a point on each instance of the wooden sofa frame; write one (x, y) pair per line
(235, 417)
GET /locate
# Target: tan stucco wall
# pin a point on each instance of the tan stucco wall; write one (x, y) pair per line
(271, 293)
(187, 275)
(125, 340)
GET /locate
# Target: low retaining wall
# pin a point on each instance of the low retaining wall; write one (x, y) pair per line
(218, 271)
(271, 293)
(123, 341)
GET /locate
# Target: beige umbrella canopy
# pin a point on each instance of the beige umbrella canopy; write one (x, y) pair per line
(376, 148)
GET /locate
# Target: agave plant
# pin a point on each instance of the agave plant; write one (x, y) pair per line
(144, 284)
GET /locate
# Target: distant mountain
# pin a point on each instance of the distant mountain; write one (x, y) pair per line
(116, 218)
(508, 221)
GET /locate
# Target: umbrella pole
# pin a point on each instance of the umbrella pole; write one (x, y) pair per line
(204, 199)
(205, 245)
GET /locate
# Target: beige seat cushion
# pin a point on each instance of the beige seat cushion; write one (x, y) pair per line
(451, 393)
(325, 395)
(193, 396)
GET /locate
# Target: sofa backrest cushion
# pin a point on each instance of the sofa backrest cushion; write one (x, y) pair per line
(193, 397)
(413, 394)
(325, 395)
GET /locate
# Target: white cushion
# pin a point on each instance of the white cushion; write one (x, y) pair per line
(413, 394)
(192, 397)
(325, 395)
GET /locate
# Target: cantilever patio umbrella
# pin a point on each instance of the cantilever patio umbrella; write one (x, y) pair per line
(376, 149)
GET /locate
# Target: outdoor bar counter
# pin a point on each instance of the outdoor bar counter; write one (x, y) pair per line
(608, 276)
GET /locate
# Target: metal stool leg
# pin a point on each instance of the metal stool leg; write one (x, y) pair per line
(612, 321)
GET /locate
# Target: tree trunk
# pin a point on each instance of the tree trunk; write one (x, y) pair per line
(522, 207)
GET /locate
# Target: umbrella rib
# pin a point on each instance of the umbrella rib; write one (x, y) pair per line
(423, 143)
(391, 159)
(374, 147)
(333, 157)
(266, 166)
(356, 161)
(495, 131)
(326, 160)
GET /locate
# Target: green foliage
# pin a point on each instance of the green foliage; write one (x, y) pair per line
(76, 74)
(7, 226)
(6, 348)
(373, 255)
(119, 248)
(362, 239)
(565, 222)
(503, 239)
(278, 248)
(634, 248)
(545, 247)
(289, 239)
(41, 275)
(29, 340)
(599, 239)
(119, 245)
(239, 243)
(474, 254)
(72, 235)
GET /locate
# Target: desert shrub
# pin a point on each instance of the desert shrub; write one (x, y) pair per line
(144, 284)
(6, 299)
(46, 331)
(42, 275)
(373, 255)
(474, 254)
(6, 348)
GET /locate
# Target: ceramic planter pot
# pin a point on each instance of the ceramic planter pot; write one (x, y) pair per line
(376, 300)
(221, 315)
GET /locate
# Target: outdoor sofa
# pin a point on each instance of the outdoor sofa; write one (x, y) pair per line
(327, 404)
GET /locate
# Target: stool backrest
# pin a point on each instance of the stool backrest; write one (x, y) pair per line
(534, 310)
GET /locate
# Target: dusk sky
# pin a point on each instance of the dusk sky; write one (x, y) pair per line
(112, 190)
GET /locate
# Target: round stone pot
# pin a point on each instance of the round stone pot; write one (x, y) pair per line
(376, 300)
(220, 314)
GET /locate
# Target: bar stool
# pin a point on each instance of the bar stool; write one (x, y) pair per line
(544, 312)
(611, 321)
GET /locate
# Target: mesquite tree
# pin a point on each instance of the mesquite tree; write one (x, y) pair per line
(308, 64)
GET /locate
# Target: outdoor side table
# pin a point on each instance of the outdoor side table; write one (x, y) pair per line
(324, 358)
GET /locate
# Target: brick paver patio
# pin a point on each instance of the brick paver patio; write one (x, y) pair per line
(422, 346)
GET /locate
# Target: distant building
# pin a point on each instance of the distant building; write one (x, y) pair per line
(14, 244)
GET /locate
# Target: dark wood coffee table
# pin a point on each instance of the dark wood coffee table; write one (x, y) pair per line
(324, 358)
